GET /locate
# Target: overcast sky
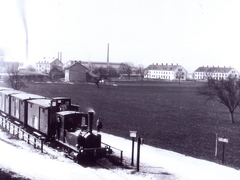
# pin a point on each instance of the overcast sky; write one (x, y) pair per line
(191, 33)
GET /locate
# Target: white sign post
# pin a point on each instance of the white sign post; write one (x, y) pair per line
(223, 140)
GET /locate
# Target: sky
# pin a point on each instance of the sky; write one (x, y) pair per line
(191, 33)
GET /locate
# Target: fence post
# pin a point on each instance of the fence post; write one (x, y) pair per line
(34, 142)
(22, 135)
(121, 156)
(42, 139)
(9, 127)
(18, 132)
(28, 140)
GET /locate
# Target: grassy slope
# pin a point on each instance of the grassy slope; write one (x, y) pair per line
(166, 115)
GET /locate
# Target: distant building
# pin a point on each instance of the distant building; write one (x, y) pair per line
(203, 73)
(47, 64)
(75, 72)
(92, 65)
(56, 63)
(165, 72)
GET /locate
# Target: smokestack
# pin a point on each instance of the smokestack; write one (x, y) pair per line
(108, 57)
(90, 121)
(22, 14)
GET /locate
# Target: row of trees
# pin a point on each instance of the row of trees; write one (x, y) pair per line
(127, 68)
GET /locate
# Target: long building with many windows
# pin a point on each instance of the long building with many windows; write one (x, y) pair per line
(165, 72)
(203, 73)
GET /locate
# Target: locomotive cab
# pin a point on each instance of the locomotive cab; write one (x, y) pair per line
(70, 121)
(62, 104)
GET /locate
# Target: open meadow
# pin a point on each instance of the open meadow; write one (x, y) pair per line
(167, 115)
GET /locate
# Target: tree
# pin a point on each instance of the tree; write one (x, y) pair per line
(101, 71)
(30, 68)
(140, 70)
(14, 77)
(112, 72)
(179, 75)
(126, 68)
(224, 91)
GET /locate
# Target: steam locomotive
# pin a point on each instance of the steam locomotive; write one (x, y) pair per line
(55, 119)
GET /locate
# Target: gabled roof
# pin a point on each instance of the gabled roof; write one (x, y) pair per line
(56, 61)
(71, 65)
(163, 67)
(214, 69)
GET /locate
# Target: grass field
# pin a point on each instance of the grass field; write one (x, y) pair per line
(167, 115)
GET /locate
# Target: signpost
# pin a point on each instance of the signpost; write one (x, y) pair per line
(133, 135)
(140, 141)
(223, 140)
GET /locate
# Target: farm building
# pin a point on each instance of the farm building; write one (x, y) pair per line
(202, 73)
(165, 72)
(75, 72)
(56, 72)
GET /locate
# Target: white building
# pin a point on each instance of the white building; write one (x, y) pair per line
(46, 65)
(165, 72)
(203, 73)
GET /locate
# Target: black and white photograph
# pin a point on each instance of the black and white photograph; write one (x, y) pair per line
(119, 89)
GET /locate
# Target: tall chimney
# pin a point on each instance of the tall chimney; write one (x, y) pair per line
(90, 121)
(108, 57)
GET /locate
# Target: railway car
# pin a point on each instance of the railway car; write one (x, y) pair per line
(5, 103)
(19, 107)
(74, 131)
(41, 114)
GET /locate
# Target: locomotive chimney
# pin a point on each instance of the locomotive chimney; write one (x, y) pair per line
(90, 121)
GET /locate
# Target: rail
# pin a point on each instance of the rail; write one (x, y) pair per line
(120, 157)
(19, 133)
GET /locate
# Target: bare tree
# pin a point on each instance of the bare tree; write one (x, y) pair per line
(224, 91)
(14, 77)
(179, 75)
(126, 68)
(140, 70)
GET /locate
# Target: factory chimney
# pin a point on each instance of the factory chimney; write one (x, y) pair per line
(60, 56)
(108, 58)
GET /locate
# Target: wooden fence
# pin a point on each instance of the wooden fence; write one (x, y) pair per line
(20, 133)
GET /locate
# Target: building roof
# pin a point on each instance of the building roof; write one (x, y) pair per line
(56, 62)
(163, 67)
(41, 102)
(24, 72)
(71, 65)
(101, 63)
(214, 69)
(26, 96)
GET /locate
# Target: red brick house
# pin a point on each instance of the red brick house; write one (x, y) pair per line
(75, 72)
